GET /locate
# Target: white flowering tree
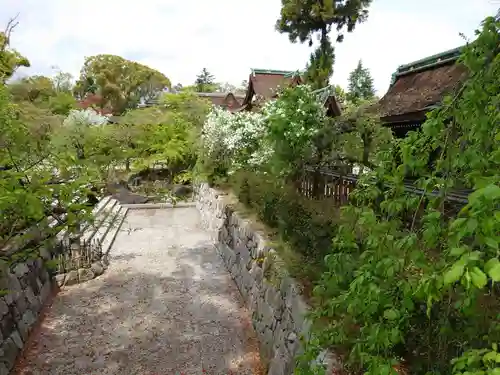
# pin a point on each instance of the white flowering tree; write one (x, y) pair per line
(293, 122)
(280, 139)
(231, 140)
(84, 131)
(84, 117)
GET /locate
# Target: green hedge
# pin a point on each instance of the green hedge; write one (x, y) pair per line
(307, 226)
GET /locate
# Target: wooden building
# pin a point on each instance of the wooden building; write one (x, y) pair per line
(228, 101)
(417, 88)
(264, 84)
(326, 95)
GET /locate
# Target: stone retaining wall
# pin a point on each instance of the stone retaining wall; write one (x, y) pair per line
(25, 285)
(24, 288)
(278, 310)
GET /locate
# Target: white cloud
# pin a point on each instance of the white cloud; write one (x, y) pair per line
(229, 37)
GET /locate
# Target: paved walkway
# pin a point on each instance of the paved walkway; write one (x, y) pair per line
(165, 305)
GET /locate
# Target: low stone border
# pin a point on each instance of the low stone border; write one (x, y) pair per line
(82, 274)
(158, 205)
(278, 309)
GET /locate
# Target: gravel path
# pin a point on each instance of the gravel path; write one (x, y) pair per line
(166, 305)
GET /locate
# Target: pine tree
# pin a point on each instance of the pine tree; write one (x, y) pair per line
(360, 84)
(320, 66)
(302, 20)
(205, 82)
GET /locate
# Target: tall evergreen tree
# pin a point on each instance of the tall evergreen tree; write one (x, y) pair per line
(304, 19)
(320, 66)
(360, 84)
(205, 82)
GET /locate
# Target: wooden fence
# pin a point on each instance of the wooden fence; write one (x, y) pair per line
(325, 183)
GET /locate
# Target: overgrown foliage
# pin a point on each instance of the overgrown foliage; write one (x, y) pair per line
(294, 122)
(263, 156)
(53, 155)
(358, 137)
(38, 180)
(305, 226)
(411, 281)
(44, 93)
(290, 134)
(30, 169)
(229, 142)
(410, 285)
(165, 134)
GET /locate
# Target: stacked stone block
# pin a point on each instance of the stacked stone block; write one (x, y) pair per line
(278, 310)
(24, 289)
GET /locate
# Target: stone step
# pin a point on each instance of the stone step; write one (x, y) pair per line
(111, 235)
(101, 204)
(97, 210)
(100, 219)
(63, 235)
(95, 240)
(105, 226)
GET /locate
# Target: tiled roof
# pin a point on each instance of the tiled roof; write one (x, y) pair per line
(223, 99)
(422, 84)
(264, 83)
(219, 94)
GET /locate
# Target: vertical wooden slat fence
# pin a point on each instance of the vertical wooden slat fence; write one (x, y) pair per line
(321, 183)
(327, 184)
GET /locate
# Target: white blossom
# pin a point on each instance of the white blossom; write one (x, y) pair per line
(249, 139)
(85, 117)
(229, 135)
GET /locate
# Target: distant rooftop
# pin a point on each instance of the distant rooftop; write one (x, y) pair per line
(219, 94)
(272, 71)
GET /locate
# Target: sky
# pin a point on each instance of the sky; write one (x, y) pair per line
(229, 37)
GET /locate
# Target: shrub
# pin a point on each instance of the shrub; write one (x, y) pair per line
(422, 294)
(307, 226)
